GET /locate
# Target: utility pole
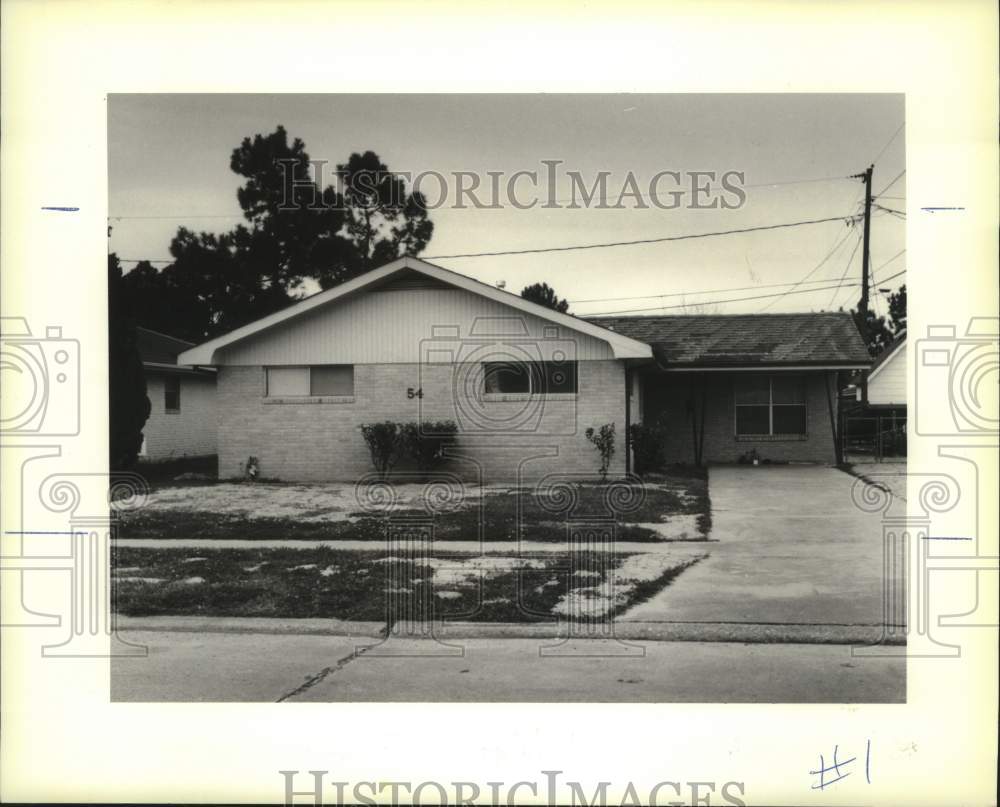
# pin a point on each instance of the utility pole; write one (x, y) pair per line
(865, 254)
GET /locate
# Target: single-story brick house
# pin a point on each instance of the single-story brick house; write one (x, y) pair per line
(411, 341)
(182, 419)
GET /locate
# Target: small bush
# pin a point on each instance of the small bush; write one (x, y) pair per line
(647, 441)
(384, 444)
(604, 441)
(425, 442)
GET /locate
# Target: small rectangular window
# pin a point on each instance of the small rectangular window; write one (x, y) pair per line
(332, 379)
(172, 394)
(506, 377)
(305, 382)
(537, 378)
(287, 382)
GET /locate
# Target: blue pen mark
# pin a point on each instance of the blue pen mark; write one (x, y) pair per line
(62, 209)
(868, 759)
(42, 532)
(946, 538)
(835, 767)
(937, 209)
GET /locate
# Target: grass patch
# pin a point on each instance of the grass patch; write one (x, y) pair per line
(368, 586)
(507, 515)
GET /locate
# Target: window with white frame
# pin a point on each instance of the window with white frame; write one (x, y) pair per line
(321, 380)
(769, 406)
(530, 378)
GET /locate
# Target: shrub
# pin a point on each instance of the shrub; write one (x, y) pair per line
(425, 441)
(646, 440)
(384, 444)
(604, 441)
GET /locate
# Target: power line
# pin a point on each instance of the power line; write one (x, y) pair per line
(148, 260)
(664, 295)
(815, 269)
(889, 141)
(891, 277)
(716, 302)
(178, 216)
(883, 265)
(890, 210)
(703, 291)
(638, 241)
(898, 177)
(847, 268)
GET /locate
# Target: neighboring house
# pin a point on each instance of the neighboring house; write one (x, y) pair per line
(874, 409)
(724, 386)
(182, 401)
(887, 379)
(411, 341)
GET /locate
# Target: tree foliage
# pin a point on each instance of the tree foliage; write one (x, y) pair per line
(873, 330)
(128, 403)
(294, 231)
(878, 332)
(897, 310)
(544, 294)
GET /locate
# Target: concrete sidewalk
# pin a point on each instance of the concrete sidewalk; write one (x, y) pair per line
(185, 666)
(792, 548)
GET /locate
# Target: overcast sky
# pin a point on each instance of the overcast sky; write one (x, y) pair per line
(169, 166)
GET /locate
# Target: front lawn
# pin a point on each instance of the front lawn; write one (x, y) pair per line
(668, 507)
(371, 586)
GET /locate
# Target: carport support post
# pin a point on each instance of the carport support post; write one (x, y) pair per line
(697, 419)
(701, 424)
(838, 453)
(628, 420)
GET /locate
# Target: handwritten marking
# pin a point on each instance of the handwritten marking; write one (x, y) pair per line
(62, 209)
(824, 769)
(946, 538)
(42, 532)
(937, 209)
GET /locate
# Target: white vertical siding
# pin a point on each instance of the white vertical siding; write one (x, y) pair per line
(411, 326)
(889, 385)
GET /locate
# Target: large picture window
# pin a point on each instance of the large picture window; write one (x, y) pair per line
(536, 378)
(770, 406)
(334, 380)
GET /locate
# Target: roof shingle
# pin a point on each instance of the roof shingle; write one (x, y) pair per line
(734, 340)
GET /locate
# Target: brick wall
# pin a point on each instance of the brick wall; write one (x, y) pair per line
(670, 392)
(322, 441)
(191, 432)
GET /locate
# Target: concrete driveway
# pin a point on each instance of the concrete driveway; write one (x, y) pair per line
(792, 549)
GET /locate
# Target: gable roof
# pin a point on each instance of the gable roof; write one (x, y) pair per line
(622, 346)
(747, 340)
(883, 358)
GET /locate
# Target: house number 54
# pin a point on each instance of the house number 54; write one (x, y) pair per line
(414, 393)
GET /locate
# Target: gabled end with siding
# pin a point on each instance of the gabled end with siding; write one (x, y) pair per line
(207, 353)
